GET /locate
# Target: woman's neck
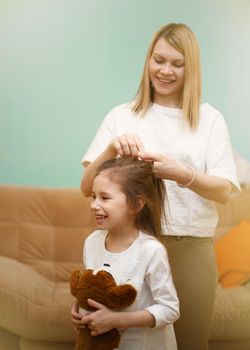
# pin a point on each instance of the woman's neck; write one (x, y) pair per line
(168, 101)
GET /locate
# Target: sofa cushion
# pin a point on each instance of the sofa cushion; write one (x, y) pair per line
(233, 256)
(27, 344)
(33, 306)
(231, 314)
(8, 340)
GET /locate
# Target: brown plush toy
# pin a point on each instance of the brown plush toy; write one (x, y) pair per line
(102, 288)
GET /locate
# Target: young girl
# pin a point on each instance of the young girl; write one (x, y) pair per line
(190, 149)
(128, 205)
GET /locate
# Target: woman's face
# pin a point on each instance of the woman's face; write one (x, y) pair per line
(167, 74)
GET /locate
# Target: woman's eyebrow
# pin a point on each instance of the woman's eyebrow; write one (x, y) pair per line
(179, 60)
(175, 60)
(158, 54)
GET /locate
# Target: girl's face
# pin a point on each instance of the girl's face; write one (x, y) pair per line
(167, 74)
(109, 205)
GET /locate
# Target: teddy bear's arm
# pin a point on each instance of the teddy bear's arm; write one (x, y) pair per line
(121, 296)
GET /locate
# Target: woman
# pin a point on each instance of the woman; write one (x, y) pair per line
(188, 143)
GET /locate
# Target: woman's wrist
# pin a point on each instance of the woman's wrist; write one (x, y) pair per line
(188, 178)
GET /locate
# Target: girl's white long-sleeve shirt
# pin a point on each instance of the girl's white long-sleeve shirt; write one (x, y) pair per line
(145, 266)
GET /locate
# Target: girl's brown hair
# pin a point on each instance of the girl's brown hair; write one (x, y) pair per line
(137, 180)
(179, 36)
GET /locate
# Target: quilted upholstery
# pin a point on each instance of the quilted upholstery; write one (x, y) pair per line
(44, 228)
(42, 232)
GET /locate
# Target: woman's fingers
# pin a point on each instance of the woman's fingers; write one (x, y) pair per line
(118, 147)
(128, 145)
(151, 156)
(135, 145)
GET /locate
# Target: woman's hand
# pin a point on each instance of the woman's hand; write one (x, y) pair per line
(214, 188)
(99, 321)
(165, 167)
(127, 145)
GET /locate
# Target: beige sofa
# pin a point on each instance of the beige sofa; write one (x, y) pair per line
(42, 232)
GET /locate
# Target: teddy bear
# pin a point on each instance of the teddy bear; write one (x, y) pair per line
(101, 287)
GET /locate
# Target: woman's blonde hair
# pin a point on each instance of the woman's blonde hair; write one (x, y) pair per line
(183, 40)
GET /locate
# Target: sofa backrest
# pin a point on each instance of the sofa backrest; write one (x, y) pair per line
(44, 228)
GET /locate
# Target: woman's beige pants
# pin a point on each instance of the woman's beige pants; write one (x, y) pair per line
(193, 267)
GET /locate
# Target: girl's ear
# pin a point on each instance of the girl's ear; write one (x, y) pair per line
(140, 202)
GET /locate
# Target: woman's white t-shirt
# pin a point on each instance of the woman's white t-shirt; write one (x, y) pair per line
(164, 130)
(145, 266)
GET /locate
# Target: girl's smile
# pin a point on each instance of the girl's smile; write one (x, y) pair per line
(100, 218)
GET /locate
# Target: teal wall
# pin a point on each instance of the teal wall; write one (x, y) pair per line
(65, 63)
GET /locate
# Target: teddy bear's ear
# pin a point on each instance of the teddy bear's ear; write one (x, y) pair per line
(74, 279)
(121, 296)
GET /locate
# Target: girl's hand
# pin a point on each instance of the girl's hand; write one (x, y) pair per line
(75, 316)
(127, 145)
(99, 321)
(165, 167)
